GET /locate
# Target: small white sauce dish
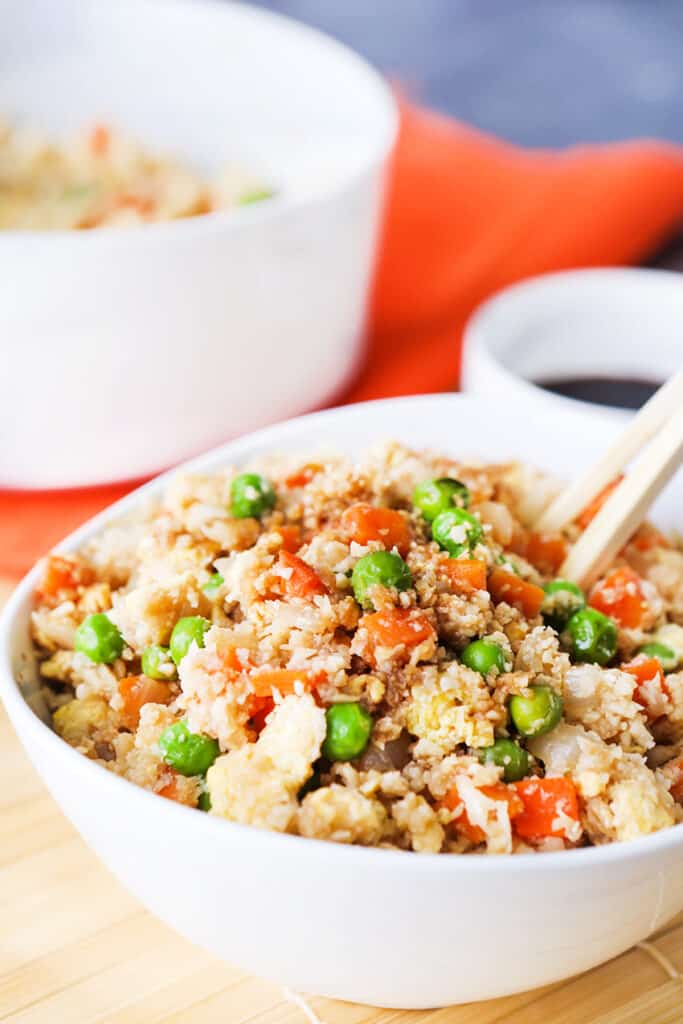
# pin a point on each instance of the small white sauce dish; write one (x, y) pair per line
(124, 350)
(374, 926)
(611, 323)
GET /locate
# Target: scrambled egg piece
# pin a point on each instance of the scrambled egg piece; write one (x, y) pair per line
(258, 784)
(147, 614)
(639, 804)
(418, 820)
(342, 815)
(53, 628)
(86, 676)
(76, 721)
(454, 708)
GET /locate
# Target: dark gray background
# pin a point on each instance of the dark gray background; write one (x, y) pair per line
(538, 72)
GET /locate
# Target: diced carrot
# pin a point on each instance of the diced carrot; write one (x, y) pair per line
(546, 552)
(236, 669)
(620, 595)
(173, 789)
(285, 680)
(644, 669)
(259, 709)
(170, 790)
(506, 586)
(144, 205)
(135, 691)
(364, 523)
(90, 221)
(648, 537)
(651, 692)
(498, 791)
(303, 476)
(673, 770)
(519, 541)
(592, 508)
(395, 627)
(99, 140)
(465, 574)
(233, 660)
(292, 577)
(547, 804)
(62, 577)
(677, 789)
(291, 537)
(452, 798)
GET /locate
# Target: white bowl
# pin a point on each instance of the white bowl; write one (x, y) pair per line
(124, 350)
(609, 322)
(376, 926)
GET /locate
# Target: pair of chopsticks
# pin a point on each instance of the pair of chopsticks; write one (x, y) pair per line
(659, 422)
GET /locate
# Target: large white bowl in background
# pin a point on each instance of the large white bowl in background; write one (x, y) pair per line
(610, 322)
(124, 350)
(377, 926)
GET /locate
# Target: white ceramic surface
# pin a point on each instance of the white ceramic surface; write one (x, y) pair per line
(377, 926)
(124, 350)
(610, 322)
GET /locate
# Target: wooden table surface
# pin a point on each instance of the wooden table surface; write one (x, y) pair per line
(75, 948)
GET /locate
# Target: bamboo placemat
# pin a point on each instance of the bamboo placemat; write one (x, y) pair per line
(75, 948)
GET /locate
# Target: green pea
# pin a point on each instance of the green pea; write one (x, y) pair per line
(667, 658)
(157, 663)
(538, 713)
(592, 636)
(213, 584)
(456, 531)
(99, 639)
(560, 586)
(434, 496)
(256, 195)
(348, 731)
(379, 568)
(186, 632)
(509, 756)
(670, 635)
(562, 599)
(251, 495)
(204, 802)
(187, 752)
(483, 656)
(78, 191)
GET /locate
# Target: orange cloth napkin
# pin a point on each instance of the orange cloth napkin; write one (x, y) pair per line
(466, 215)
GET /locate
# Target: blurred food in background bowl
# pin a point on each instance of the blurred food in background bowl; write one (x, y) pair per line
(595, 342)
(126, 349)
(101, 178)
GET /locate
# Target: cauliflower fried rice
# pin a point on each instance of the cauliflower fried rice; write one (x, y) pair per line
(376, 652)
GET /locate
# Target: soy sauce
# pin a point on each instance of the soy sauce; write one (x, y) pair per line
(622, 392)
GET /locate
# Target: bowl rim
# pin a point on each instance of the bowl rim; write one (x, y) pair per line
(30, 727)
(276, 208)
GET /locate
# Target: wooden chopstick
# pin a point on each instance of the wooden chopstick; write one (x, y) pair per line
(645, 425)
(626, 507)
